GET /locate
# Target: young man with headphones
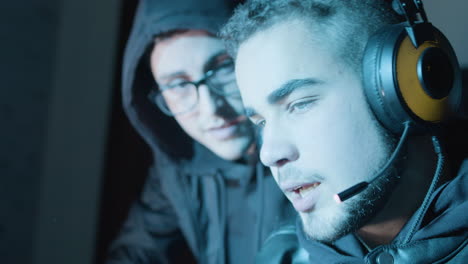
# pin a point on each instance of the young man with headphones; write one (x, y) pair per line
(349, 98)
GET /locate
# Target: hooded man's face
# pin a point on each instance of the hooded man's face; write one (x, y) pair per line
(319, 136)
(217, 122)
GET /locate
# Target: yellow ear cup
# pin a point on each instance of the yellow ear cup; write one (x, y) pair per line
(416, 98)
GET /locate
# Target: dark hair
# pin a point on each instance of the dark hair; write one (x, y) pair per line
(169, 34)
(162, 37)
(348, 23)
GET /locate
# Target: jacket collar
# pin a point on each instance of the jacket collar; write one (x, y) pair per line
(206, 163)
(443, 231)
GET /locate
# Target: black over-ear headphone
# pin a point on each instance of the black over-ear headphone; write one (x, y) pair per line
(411, 73)
(412, 82)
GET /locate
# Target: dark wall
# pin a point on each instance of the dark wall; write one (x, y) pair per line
(28, 41)
(127, 159)
(450, 17)
(56, 69)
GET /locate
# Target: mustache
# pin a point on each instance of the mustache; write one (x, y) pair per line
(291, 173)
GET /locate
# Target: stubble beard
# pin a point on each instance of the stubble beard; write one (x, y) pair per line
(334, 221)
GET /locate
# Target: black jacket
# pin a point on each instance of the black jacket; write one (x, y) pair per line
(441, 236)
(220, 210)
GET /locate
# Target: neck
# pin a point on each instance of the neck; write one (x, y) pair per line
(406, 197)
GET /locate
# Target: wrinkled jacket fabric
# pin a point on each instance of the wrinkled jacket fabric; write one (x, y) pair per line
(282, 247)
(193, 201)
(441, 237)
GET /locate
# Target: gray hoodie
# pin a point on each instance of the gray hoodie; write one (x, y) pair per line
(194, 204)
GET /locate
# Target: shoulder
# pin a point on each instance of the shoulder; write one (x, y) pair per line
(282, 246)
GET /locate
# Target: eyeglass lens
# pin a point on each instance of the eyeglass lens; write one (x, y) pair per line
(183, 97)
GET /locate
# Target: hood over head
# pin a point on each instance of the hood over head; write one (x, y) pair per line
(152, 18)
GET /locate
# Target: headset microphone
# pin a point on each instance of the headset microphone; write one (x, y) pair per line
(358, 188)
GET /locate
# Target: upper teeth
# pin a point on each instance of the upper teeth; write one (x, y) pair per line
(304, 190)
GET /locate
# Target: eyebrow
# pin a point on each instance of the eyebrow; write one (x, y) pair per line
(290, 86)
(209, 65)
(213, 61)
(172, 75)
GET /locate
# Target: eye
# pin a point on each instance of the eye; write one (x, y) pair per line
(260, 124)
(301, 105)
(177, 83)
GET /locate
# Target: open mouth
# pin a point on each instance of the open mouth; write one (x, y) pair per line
(303, 190)
(227, 130)
(304, 197)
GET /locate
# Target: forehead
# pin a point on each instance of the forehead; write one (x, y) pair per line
(283, 52)
(184, 52)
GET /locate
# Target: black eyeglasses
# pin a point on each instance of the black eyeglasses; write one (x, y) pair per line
(182, 97)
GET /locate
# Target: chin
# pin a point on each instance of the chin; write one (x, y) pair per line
(229, 155)
(334, 221)
(327, 224)
(232, 149)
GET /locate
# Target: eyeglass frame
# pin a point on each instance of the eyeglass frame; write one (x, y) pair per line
(155, 96)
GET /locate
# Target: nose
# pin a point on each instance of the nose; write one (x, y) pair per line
(277, 149)
(208, 102)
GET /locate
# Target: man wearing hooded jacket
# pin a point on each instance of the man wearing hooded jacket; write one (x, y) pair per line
(206, 192)
(309, 83)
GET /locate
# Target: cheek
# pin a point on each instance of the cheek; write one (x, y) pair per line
(189, 124)
(274, 172)
(236, 105)
(333, 135)
(355, 142)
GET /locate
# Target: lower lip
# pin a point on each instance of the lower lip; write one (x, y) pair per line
(306, 203)
(223, 133)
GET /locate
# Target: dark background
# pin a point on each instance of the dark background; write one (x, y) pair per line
(70, 163)
(127, 156)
